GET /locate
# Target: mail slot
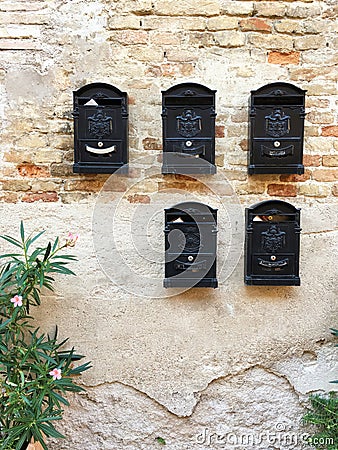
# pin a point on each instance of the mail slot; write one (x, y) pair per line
(277, 113)
(188, 115)
(100, 129)
(272, 244)
(190, 245)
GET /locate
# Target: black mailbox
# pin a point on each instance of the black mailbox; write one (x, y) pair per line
(100, 129)
(272, 244)
(188, 114)
(277, 113)
(190, 245)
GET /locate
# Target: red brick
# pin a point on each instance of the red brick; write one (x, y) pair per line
(282, 190)
(44, 196)
(312, 160)
(219, 131)
(254, 24)
(283, 58)
(138, 198)
(33, 171)
(150, 143)
(295, 178)
(331, 130)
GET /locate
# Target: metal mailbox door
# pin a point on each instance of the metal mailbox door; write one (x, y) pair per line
(272, 244)
(100, 129)
(277, 129)
(188, 115)
(190, 245)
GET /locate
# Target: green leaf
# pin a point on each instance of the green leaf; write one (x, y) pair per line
(33, 239)
(22, 232)
(50, 431)
(48, 250)
(11, 240)
(80, 369)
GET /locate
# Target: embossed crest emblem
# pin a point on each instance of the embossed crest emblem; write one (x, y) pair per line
(277, 124)
(191, 241)
(100, 125)
(189, 124)
(273, 239)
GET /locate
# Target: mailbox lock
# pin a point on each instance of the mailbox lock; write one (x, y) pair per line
(270, 217)
(100, 144)
(276, 144)
(188, 143)
(190, 258)
(273, 258)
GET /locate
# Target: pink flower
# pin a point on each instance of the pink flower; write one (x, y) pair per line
(56, 374)
(71, 240)
(17, 300)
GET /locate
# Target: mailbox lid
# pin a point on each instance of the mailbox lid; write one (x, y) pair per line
(278, 93)
(191, 212)
(275, 208)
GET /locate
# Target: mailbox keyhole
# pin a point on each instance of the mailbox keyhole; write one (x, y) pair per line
(276, 144)
(190, 258)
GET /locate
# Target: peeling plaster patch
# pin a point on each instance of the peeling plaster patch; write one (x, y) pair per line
(309, 375)
(28, 86)
(246, 407)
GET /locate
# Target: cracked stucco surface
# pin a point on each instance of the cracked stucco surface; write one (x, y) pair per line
(230, 359)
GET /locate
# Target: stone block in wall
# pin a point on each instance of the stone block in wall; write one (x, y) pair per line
(330, 160)
(298, 10)
(309, 42)
(222, 23)
(270, 9)
(325, 175)
(229, 39)
(320, 117)
(271, 42)
(314, 190)
(238, 8)
(186, 8)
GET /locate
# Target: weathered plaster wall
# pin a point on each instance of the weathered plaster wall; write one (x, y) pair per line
(233, 360)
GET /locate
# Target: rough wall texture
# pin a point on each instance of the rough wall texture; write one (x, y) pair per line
(204, 362)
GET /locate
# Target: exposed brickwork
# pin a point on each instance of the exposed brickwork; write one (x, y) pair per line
(282, 190)
(147, 46)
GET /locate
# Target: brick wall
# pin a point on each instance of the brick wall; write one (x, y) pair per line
(49, 49)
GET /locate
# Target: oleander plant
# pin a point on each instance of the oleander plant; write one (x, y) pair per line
(36, 371)
(323, 415)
